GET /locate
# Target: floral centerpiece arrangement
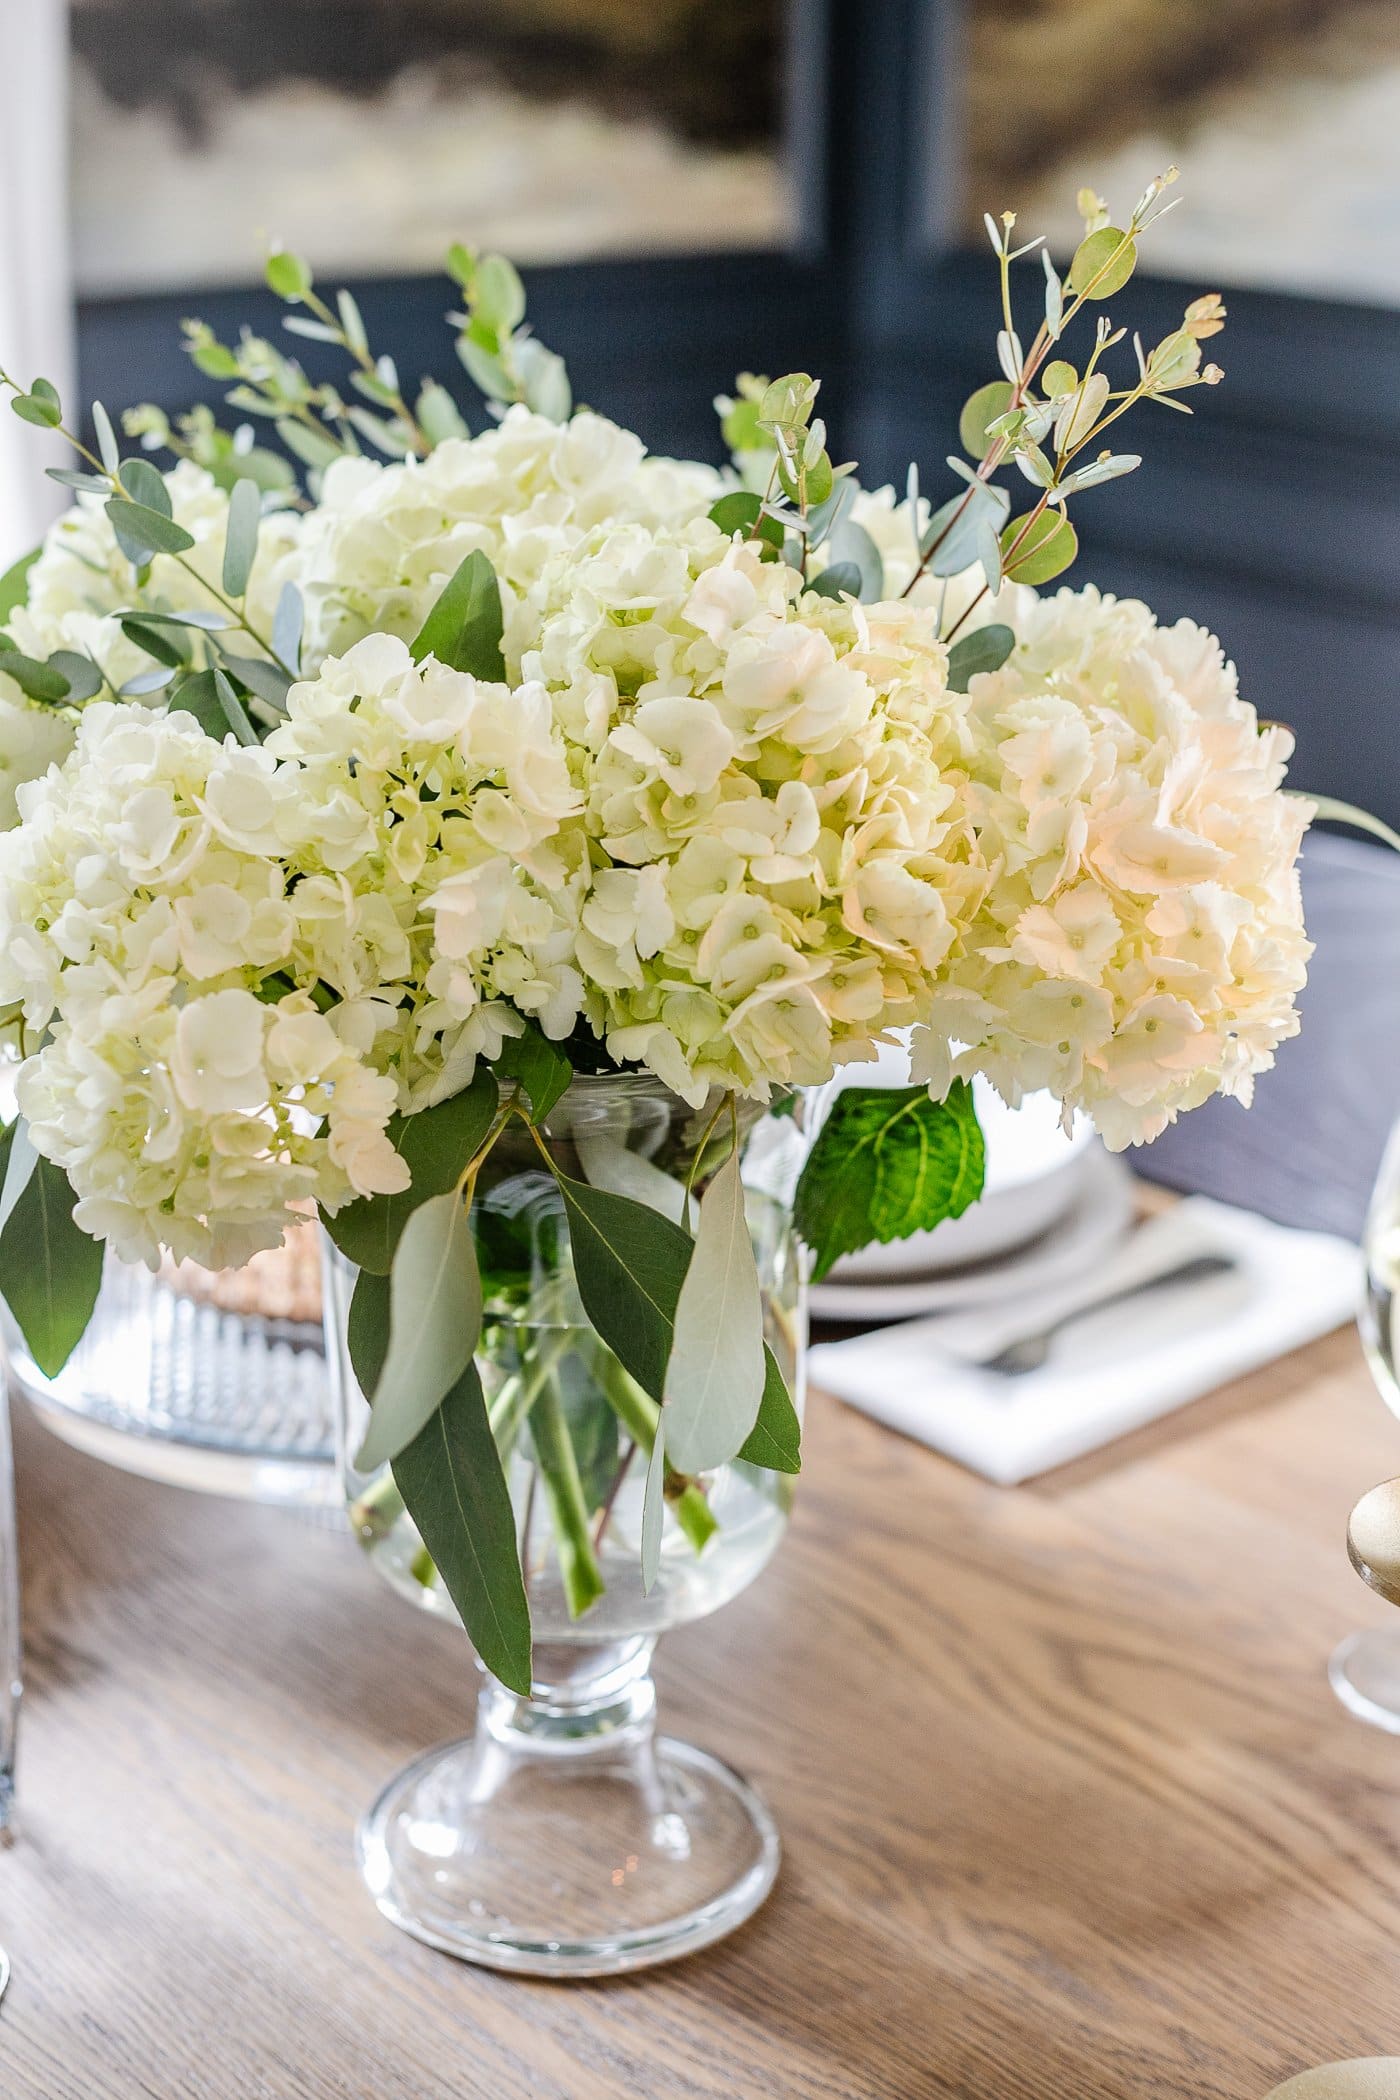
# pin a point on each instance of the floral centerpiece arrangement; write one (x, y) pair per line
(483, 844)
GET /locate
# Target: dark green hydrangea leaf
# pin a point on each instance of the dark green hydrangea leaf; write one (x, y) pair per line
(889, 1162)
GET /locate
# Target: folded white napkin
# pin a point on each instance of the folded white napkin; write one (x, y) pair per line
(1112, 1370)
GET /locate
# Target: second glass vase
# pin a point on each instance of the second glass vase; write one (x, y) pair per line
(566, 1837)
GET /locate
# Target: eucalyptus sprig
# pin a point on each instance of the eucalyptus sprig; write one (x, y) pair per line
(497, 351)
(772, 425)
(1045, 429)
(193, 664)
(228, 456)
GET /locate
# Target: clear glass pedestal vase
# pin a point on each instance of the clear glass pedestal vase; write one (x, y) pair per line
(567, 1836)
(1364, 1670)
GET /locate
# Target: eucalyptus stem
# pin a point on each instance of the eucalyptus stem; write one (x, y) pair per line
(609, 1502)
(973, 604)
(364, 359)
(559, 1474)
(510, 1407)
(374, 1514)
(639, 1415)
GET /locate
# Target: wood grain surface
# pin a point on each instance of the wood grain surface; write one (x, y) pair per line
(1070, 1813)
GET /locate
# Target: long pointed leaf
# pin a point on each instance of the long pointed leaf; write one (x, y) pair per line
(19, 1161)
(775, 1441)
(453, 1487)
(367, 1328)
(435, 1145)
(654, 1511)
(50, 1271)
(434, 1322)
(715, 1375)
(611, 1165)
(14, 584)
(464, 627)
(629, 1263)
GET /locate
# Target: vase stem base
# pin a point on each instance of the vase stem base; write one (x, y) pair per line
(569, 1841)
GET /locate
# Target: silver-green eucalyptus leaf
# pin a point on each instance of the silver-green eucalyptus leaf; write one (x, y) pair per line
(146, 682)
(615, 1167)
(241, 536)
(714, 1378)
(84, 677)
(434, 1322)
(287, 623)
(544, 380)
(955, 536)
(1054, 296)
(144, 483)
(312, 447)
(76, 478)
(106, 438)
(1100, 470)
(352, 323)
(849, 542)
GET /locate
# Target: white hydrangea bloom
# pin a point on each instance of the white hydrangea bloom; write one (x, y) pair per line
(385, 539)
(773, 780)
(1141, 942)
(737, 830)
(177, 913)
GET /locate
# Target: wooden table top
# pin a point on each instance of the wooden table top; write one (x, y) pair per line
(1069, 1811)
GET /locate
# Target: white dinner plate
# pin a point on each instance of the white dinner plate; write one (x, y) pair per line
(1100, 1213)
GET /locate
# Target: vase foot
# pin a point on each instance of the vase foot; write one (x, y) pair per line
(560, 1865)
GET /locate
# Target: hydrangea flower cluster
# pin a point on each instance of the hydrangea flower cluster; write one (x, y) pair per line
(1141, 941)
(710, 820)
(384, 539)
(736, 829)
(156, 924)
(786, 860)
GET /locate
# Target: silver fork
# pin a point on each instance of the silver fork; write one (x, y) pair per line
(1030, 1351)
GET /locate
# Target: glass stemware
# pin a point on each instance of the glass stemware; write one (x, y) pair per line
(1365, 1667)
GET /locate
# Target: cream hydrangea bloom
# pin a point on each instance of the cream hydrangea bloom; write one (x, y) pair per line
(385, 539)
(736, 830)
(155, 931)
(248, 959)
(1141, 942)
(773, 781)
